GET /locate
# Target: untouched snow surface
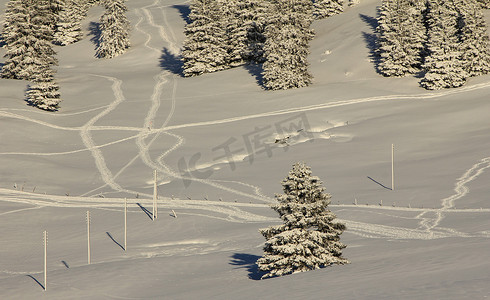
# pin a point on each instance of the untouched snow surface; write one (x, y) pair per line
(120, 119)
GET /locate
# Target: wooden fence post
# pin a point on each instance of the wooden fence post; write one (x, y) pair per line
(88, 237)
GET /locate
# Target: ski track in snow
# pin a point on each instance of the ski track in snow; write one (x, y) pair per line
(334, 104)
(429, 219)
(58, 114)
(237, 212)
(143, 147)
(87, 138)
(461, 189)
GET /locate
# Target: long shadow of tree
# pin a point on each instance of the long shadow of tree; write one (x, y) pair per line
(184, 11)
(256, 70)
(171, 62)
(248, 262)
(95, 33)
(371, 40)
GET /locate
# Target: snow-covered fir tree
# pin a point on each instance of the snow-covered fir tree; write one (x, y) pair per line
(287, 45)
(43, 92)
(69, 27)
(443, 65)
(205, 49)
(402, 36)
(16, 36)
(327, 8)
(56, 7)
(309, 238)
(28, 40)
(15, 32)
(114, 27)
(233, 20)
(244, 23)
(256, 29)
(474, 38)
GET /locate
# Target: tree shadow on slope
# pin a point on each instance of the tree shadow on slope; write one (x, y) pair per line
(184, 11)
(95, 33)
(248, 262)
(371, 40)
(256, 70)
(171, 62)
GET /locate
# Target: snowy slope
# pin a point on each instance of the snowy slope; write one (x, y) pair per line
(122, 118)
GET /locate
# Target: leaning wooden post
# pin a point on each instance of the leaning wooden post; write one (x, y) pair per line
(125, 223)
(88, 237)
(155, 196)
(45, 260)
(392, 167)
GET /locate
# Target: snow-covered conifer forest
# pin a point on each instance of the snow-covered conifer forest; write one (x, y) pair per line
(444, 41)
(195, 113)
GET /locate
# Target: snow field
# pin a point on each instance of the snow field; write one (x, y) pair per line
(123, 118)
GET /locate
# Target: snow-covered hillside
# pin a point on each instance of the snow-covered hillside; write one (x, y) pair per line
(122, 118)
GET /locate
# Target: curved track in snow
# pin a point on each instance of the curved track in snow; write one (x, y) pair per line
(461, 189)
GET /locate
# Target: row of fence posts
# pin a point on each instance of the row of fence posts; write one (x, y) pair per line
(154, 217)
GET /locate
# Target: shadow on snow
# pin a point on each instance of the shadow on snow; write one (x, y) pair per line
(184, 11)
(375, 181)
(110, 236)
(37, 281)
(146, 211)
(371, 40)
(248, 262)
(95, 33)
(171, 62)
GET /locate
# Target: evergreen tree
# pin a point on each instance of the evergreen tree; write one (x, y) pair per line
(402, 36)
(327, 8)
(244, 30)
(309, 238)
(56, 6)
(474, 38)
(69, 28)
(114, 26)
(233, 21)
(205, 49)
(44, 91)
(443, 65)
(28, 40)
(256, 30)
(286, 46)
(15, 32)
